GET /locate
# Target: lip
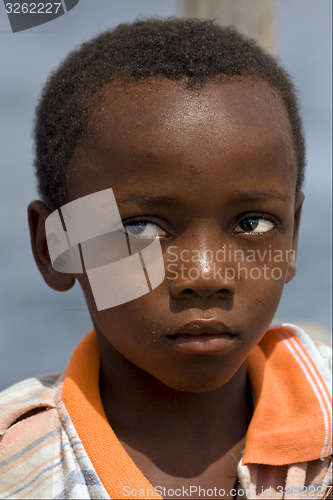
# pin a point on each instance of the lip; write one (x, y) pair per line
(203, 337)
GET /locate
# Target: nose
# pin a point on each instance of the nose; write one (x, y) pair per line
(200, 273)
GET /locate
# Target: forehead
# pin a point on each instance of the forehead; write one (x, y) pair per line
(234, 126)
(161, 103)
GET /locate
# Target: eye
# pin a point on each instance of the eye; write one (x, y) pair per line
(254, 225)
(144, 229)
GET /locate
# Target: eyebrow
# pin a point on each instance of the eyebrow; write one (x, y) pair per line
(166, 200)
(149, 199)
(255, 196)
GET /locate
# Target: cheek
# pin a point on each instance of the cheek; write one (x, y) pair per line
(136, 311)
(265, 263)
(134, 331)
(260, 287)
(133, 324)
(264, 277)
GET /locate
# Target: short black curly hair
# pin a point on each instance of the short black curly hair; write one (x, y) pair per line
(178, 49)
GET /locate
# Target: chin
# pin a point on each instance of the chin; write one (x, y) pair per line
(195, 384)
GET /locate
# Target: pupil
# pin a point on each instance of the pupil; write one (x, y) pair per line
(249, 224)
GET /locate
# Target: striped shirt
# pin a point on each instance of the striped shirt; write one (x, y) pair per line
(56, 441)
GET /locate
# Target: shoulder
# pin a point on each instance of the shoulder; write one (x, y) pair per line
(26, 397)
(41, 455)
(29, 428)
(302, 345)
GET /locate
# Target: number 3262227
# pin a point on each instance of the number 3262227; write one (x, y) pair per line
(32, 8)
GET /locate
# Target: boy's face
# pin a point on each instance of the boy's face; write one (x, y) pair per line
(214, 173)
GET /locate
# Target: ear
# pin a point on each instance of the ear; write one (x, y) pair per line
(297, 217)
(37, 215)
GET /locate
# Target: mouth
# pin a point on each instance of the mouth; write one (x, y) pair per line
(203, 337)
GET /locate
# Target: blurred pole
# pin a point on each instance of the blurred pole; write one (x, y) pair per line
(253, 18)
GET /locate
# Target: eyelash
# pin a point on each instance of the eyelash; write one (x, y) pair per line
(143, 220)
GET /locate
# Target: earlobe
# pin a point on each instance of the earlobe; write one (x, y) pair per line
(297, 218)
(37, 215)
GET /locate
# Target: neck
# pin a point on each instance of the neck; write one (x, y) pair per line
(136, 402)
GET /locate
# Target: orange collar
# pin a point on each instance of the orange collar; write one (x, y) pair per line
(292, 418)
(290, 423)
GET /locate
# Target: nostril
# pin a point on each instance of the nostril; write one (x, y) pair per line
(188, 287)
(205, 292)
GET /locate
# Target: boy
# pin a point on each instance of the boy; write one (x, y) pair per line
(177, 140)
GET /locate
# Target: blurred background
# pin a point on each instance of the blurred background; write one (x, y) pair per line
(39, 328)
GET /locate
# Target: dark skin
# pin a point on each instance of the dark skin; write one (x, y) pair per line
(218, 156)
